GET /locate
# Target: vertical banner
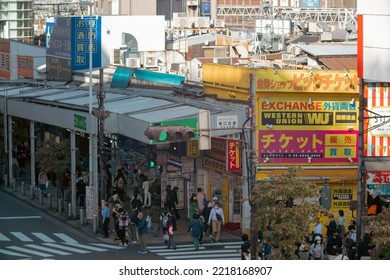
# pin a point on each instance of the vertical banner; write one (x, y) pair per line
(233, 162)
(90, 201)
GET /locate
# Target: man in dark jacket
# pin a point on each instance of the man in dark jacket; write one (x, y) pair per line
(196, 230)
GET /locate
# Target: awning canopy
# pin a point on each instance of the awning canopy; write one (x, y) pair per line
(131, 110)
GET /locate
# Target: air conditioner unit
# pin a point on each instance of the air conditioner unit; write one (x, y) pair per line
(219, 23)
(150, 61)
(178, 15)
(133, 62)
(223, 60)
(192, 3)
(286, 56)
(202, 22)
(182, 22)
(117, 56)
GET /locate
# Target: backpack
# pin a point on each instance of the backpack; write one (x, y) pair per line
(205, 201)
(165, 221)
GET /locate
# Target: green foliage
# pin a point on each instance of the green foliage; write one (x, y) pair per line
(290, 222)
(380, 227)
(54, 157)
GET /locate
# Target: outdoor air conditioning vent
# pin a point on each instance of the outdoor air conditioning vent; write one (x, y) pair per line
(117, 56)
(182, 22)
(223, 60)
(133, 62)
(150, 61)
(286, 56)
(203, 22)
(219, 23)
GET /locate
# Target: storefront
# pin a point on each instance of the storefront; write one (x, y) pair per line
(224, 185)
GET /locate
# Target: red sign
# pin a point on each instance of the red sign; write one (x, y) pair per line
(378, 177)
(233, 155)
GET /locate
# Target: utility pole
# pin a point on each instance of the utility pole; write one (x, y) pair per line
(361, 173)
(253, 164)
(101, 114)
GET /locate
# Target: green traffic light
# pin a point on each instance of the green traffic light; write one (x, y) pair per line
(163, 136)
(152, 164)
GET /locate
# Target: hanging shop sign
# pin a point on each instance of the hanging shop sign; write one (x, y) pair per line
(378, 182)
(233, 159)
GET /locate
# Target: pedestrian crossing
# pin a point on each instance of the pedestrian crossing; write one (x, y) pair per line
(36, 245)
(214, 251)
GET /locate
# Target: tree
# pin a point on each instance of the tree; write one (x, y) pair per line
(284, 206)
(54, 157)
(379, 226)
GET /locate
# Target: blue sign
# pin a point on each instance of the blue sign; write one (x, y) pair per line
(58, 38)
(379, 189)
(307, 4)
(81, 40)
(205, 8)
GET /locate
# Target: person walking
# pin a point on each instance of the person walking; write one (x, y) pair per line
(245, 247)
(116, 210)
(155, 213)
(105, 219)
(196, 229)
(206, 214)
(217, 219)
(42, 181)
(202, 200)
(193, 206)
(120, 183)
(146, 186)
(175, 202)
(123, 222)
(142, 231)
(351, 242)
(133, 225)
(316, 249)
(341, 224)
(171, 230)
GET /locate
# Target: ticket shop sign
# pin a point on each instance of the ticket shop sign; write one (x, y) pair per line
(232, 155)
(307, 146)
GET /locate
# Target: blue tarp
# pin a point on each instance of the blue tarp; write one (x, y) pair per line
(121, 78)
(158, 77)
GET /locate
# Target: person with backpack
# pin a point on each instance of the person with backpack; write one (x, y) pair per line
(164, 220)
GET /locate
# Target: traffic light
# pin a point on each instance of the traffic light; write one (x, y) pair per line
(169, 133)
(151, 158)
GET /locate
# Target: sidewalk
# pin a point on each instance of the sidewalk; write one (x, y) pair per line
(32, 197)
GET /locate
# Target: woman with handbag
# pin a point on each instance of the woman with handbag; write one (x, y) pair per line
(217, 219)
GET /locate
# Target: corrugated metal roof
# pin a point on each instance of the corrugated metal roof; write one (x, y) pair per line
(340, 63)
(318, 50)
(304, 39)
(172, 113)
